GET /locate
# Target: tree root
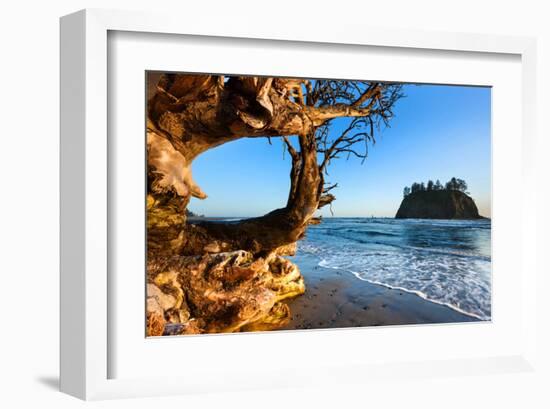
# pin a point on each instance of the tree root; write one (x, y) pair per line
(217, 293)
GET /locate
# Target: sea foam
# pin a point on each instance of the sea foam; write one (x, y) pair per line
(445, 262)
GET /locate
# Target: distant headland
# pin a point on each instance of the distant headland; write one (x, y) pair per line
(435, 201)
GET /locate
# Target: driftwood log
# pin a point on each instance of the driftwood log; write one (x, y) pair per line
(225, 277)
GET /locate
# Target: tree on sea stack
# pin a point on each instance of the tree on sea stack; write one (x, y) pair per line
(190, 114)
(434, 202)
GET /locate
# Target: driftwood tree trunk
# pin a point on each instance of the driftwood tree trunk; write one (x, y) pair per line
(197, 113)
(190, 114)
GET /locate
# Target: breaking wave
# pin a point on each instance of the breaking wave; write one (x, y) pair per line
(445, 262)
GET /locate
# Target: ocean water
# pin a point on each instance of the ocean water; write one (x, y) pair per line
(444, 261)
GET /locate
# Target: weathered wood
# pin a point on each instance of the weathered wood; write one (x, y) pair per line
(190, 114)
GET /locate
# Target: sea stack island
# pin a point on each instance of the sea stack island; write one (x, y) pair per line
(435, 201)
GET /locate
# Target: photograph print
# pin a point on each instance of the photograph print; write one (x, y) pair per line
(304, 203)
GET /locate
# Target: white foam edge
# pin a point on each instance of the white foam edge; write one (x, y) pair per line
(420, 294)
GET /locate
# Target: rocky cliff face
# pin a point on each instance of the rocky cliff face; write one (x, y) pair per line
(440, 204)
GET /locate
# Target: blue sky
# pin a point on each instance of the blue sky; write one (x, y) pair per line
(438, 132)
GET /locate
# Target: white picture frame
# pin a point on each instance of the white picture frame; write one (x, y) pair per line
(86, 354)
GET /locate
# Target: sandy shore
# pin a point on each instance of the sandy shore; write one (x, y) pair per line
(337, 299)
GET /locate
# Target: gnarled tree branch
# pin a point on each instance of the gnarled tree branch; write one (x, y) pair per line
(194, 113)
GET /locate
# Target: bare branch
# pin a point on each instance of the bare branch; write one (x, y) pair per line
(370, 92)
(290, 148)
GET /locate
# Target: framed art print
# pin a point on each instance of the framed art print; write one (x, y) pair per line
(370, 256)
(231, 195)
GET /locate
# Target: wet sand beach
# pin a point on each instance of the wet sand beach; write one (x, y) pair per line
(338, 299)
